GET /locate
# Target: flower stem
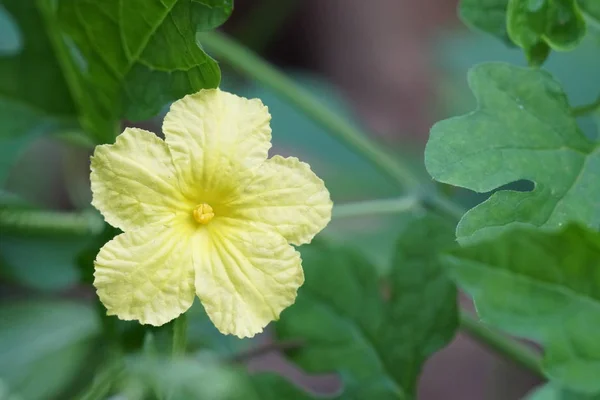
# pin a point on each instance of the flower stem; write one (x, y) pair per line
(254, 67)
(519, 353)
(373, 207)
(180, 326)
(250, 64)
(586, 109)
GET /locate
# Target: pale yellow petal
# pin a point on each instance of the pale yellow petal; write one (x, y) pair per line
(134, 183)
(245, 275)
(288, 196)
(214, 135)
(146, 275)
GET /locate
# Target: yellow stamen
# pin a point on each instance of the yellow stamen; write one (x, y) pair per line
(203, 213)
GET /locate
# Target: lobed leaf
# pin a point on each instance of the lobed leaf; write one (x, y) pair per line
(104, 61)
(522, 129)
(540, 25)
(130, 58)
(545, 287)
(377, 345)
(536, 26)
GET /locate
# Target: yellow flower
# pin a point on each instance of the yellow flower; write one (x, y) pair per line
(204, 212)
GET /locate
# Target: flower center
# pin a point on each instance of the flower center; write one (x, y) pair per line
(203, 213)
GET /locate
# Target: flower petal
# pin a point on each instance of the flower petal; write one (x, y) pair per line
(213, 135)
(287, 195)
(134, 183)
(245, 275)
(146, 275)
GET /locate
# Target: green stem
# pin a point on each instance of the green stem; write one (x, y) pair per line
(180, 327)
(586, 109)
(444, 204)
(250, 64)
(42, 222)
(519, 353)
(373, 207)
(104, 380)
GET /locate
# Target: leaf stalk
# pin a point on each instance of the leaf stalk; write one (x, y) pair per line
(586, 109)
(180, 326)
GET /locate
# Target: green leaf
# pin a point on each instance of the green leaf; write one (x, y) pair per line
(48, 263)
(43, 345)
(198, 377)
(591, 12)
(550, 391)
(486, 15)
(273, 387)
(86, 256)
(591, 8)
(558, 24)
(377, 345)
(522, 129)
(34, 98)
(268, 386)
(33, 91)
(129, 59)
(201, 377)
(211, 14)
(202, 334)
(545, 287)
(535, 25)
(68, 60)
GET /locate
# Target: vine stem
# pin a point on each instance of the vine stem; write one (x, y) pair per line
(43, 222)
(248, 63)
(180, 326)
(373, 207)
(518, 352)
(586, 109)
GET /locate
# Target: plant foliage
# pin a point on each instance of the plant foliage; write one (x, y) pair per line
(523, 128)
(530, 258)
(377, 344)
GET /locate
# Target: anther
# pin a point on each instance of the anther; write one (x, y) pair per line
(203, 213)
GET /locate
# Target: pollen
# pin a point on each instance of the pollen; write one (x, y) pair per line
(203, 213)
